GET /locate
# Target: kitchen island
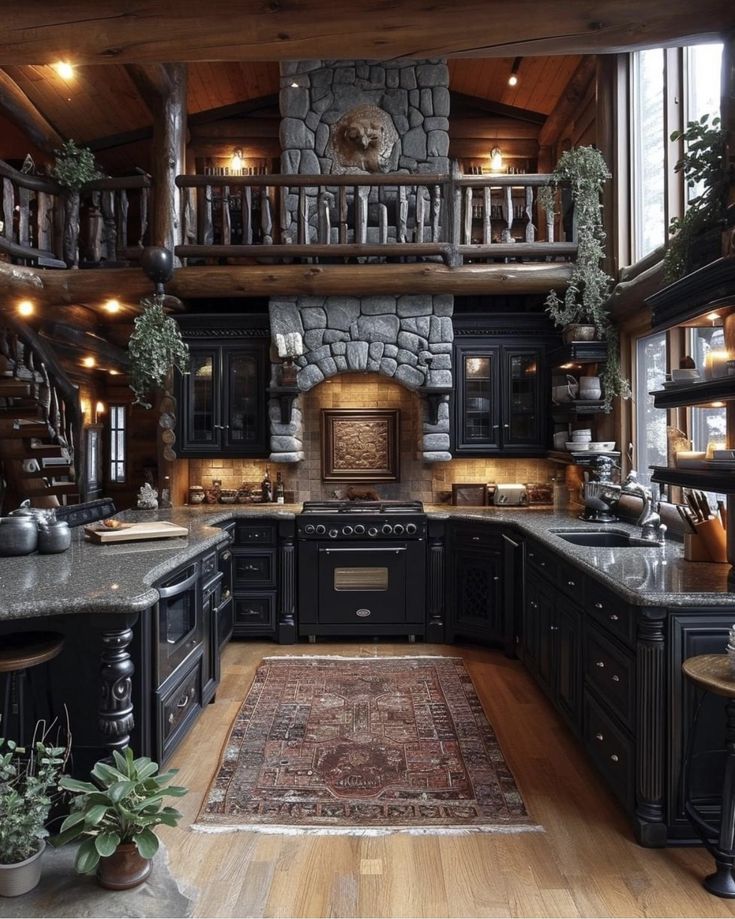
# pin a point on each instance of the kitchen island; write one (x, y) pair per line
(603, 630)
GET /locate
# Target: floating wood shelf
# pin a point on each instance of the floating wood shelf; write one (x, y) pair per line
(722, 481)
(580, 458)
(720, 390)
(581, 407)
(578, 352)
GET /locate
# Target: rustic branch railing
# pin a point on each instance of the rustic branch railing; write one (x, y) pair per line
(286, 217)
(25, 357)
(43, 224)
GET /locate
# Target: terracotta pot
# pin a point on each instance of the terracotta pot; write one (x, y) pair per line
(578, 332)
(21, 877)
(124, 869)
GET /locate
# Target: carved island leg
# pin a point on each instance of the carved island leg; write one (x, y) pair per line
(650, 824)
(115, 717)
(286, 583)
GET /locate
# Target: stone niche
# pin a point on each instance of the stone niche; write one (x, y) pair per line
(407, 339)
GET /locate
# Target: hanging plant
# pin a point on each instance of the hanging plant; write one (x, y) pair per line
(74, 166)
(703, 164)
(584, 171)
(155, 348)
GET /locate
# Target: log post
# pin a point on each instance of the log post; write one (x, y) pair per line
(163, 88)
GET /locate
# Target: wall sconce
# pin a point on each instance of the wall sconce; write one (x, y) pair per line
(496, 160)
(99, 409)
(513, 78)
(236, 160)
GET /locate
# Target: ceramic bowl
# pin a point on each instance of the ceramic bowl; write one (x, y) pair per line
(683, 375)
(577, 445)
(601, 445)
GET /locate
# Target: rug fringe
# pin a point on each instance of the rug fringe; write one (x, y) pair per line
(362, 657)
(365, 831)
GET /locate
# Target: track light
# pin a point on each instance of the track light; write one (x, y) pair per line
(65, 70)
(514, 78)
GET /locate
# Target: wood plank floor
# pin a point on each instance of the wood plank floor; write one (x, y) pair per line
(586, 863)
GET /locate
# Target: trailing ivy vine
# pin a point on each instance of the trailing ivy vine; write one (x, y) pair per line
(584, 171)
(155, 348)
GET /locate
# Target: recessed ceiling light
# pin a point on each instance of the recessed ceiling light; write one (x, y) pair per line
(89, 361)
(26, 308)
(65, 70)
(112, 306)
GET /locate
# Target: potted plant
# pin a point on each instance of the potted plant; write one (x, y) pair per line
(155, 348)
(115, 817)
(28, 778)
(582, 314)
(695, 237)
(73, 167)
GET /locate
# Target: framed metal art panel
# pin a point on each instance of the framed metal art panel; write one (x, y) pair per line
(360, 445)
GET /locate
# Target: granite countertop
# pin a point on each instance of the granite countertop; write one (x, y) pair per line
(92, 578)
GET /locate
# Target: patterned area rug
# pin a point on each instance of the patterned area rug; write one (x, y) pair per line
(363, 746)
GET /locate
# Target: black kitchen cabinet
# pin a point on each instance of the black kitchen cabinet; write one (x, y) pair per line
(222, 408)
(502, 393)
(478, 603)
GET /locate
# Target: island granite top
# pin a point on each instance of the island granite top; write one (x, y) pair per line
(92, 578)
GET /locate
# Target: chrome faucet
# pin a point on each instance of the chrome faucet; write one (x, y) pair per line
(652, 530)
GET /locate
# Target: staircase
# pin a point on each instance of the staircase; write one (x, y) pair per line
(40, 422)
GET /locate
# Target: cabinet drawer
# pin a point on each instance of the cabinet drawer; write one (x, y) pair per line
(252, 534)
(609, 611)
(610, 749)
(543, 562)
(612, 674)
(256, 568)
(178, 708)
(209, 566)
(477, 537)
(254, 613)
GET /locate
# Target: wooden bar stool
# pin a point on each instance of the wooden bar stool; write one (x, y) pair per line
(19, 652)
(713, 673)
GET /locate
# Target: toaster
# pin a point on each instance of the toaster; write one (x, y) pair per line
(510, 495)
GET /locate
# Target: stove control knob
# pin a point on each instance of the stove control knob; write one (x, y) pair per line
(333, 533)
(411, 529)
(398, 529)
(360, 530)
(347, 531)
(321, 529)
(387, 529)
(372, 531)
(309, 529)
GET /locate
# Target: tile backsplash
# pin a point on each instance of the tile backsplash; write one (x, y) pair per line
(430, 483)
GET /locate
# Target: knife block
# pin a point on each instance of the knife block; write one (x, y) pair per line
(695, 549)
(714, 539)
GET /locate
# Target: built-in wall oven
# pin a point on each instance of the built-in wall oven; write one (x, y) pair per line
(362, 569)
(179, 620)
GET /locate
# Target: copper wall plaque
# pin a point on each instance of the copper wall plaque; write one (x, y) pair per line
(360, 445)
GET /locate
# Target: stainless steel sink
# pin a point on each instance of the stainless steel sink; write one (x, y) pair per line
(603, 539)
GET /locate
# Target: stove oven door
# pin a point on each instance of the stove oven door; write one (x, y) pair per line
(362, 586)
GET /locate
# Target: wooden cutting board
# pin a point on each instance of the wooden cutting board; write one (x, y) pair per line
(153, 529)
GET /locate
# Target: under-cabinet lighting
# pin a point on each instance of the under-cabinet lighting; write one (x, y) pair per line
(64, 69)
(26, 308)
(112, 306)
(90, 361)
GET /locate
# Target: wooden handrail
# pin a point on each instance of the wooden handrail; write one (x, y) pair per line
(31, 182)
(312, 181)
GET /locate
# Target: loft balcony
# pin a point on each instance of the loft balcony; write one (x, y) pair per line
(453, 232)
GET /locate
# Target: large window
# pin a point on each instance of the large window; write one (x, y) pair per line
(117, 443)
(649, 152)
(650, 423)
(708, 423)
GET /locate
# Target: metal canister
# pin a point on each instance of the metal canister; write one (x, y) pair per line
(18, 535)
(53, 537)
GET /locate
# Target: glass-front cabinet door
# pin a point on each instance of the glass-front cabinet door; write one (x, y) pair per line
(200, 410)
(244, 395)
(522, 419)
(478, 418)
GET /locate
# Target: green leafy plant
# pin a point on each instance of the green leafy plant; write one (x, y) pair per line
(155, 348)
(124, 805)
(703, 164)
(28, 779)
(584, 171)
(74, 166)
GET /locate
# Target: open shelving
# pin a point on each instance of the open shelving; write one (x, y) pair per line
(719, 390)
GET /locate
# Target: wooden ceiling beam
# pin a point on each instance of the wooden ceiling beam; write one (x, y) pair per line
(46, 31)
(464, 103)
(16, 105)
(569, 102)
(222, 281)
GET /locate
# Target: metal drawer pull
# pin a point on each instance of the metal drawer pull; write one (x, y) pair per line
(615, 678)
(496, 578)
(184, 702)
(600, 664)
(599, 605)
(543, 564)
(226, 556)
(553, 628)
(251, 568)
(599, 737)
(227, 594)
(613, 617)
(571, 584)
(615, 758)
(475, 539)
(252, 612)
(362, 613)
(534, 604)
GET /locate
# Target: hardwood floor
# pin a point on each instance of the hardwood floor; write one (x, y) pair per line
(586, 863)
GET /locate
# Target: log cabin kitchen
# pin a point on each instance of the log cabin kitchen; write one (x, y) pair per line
(367, 444)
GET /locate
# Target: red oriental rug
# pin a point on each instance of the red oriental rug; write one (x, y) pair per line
(363, 746)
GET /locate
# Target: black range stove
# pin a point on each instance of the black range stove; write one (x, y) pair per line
(362, 568)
